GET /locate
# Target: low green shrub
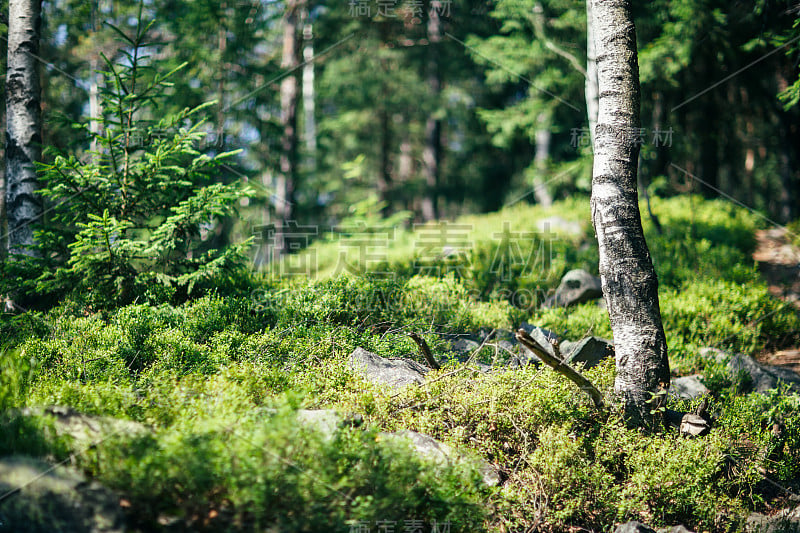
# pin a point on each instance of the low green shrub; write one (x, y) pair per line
(262, 470)
(575, 322)
(17, 373)
(218, 379)
(726, 315)
(570, 468)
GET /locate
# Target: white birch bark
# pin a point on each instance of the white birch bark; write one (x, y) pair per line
(592, 95)
(23, 124)
(629, 280)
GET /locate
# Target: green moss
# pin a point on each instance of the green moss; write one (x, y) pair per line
(218, 381)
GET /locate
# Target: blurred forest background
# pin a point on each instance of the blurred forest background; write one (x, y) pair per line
(346, 113)
(235, 199)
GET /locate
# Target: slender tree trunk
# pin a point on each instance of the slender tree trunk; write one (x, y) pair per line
(661, 162)
(592, 95)
(405, 170)
(94, 87)
(385, 185)
(707, 124)
(23, 124)
(222, 46)
(786, 125)
(95, 109)
(658, 165)
(629, 280)
(385, 172)
(3, 218)
(432, 153)
(309, 121)
(431, 158)
(787, 203)
(289, 96)
(543, 137)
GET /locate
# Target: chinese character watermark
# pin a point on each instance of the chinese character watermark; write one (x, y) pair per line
(412, 10)
(581, 138)
(393, 526)
(440, 247)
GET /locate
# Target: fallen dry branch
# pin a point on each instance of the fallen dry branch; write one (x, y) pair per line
(425, 350)
(551, 356)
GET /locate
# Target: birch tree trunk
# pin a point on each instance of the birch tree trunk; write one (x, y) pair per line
(309, 122)
(543, 137)
(23, 124)
(629, 280)
(592, 95)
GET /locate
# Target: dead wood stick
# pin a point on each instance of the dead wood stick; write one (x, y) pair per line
(552, 358)
(425, 350)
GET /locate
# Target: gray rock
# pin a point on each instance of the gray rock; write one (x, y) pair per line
(529, 329)
(759, 378)
(426, 446)
(559, 224)
(763, 377)
(505, 341)
(507, 346)
(688, 387)
(52, 498)
(576, 287)
(504, 335)
(464, 345)
(544, 340)
(714, 353)
(85, 430)
(590, 351)
(508, 351)
(484, 368)
(785, 521)
(514, 362)
(525, 356)
(694, 425)
(675, 529)
(396, 373)
(633, 527)
(444, 455)
(325, 421)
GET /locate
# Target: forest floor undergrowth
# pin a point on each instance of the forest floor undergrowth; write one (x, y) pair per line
(779, 262)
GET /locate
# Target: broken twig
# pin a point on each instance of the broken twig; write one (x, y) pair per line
(552, 358)
(425, 350)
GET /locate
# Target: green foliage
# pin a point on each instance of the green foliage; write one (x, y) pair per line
(740, 318)
(16, 328)
(133, 220)
(791, 95)
(542, 89)
(30, 435)
(702, 240)
(442, 303)
(218, 380)
(793, 230)
(16, 373)
(576, 322)
(270, 472)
